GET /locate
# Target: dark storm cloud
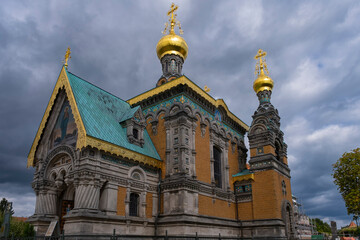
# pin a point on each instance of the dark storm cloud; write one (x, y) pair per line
(312, 57)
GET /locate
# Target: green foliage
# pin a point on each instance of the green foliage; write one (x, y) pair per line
(321, 227)
(28, 230)
(3, 204)
(346, 173)
(21, 229)
(1, 218)
(352, 231)
(17, 228)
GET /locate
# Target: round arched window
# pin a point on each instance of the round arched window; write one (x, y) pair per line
(136, 176)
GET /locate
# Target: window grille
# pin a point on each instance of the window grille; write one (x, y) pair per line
(217, 167)
(134, 204)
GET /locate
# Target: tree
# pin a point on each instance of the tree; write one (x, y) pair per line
(346, 173)
(19, 229)
(3, 204)
(321, 227)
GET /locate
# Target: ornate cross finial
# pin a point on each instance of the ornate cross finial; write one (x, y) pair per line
(172, 20)
(261, 64)
(206, 89)
(67, 57)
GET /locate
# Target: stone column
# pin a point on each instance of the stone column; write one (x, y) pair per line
(108, 199)
(226, 165)
(38, 204)
(183, 146)
(193, 150)
(127, 202)
(87, 196)
(155, 205)
(46, 202)
(212, 161)
(142, 203)
(168, 144)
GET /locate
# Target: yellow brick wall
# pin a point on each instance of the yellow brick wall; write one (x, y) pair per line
(267, 149)
(159, 140)
(219, 208)
(233, 163)
(202, 147)
(252, 152)
(280, 178)
(121, 201)
(285, 160)
(245, 211)
(149, 205)
(268, 195)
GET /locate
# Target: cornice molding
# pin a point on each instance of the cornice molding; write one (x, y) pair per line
(185, 81)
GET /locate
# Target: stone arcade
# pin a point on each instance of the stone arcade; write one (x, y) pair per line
(170, 159)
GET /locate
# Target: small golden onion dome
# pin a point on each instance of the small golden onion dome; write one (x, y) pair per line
(263, 82)
(172, 44)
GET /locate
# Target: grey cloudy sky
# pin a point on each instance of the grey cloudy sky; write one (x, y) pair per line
(313, 57)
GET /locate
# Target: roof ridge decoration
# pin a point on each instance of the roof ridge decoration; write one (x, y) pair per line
(185, 81)
(83, 139)
(67, 57)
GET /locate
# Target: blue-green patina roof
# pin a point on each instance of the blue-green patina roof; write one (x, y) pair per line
(102, 112)
(244, 172)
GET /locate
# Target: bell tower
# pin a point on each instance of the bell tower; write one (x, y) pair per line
(268, 155)
(171, 49)
(267, 146)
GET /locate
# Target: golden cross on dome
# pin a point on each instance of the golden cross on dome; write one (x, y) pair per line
(172, 10)
(261, 64)
(67, 57)
(172, 20)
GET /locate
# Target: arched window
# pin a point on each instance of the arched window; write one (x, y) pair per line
(135, 133)
(134, 204)
(136, 176)
(173, 65)
(217, 167)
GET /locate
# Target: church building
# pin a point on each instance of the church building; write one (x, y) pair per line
(170, 159)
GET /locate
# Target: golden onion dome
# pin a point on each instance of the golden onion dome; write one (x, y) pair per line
(172, 44)
(263, 82)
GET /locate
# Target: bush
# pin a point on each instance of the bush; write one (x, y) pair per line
(21, 229)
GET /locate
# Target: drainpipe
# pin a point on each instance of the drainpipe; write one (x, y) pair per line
(159, 204)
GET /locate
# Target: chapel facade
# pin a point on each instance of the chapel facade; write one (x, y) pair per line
(170, 159)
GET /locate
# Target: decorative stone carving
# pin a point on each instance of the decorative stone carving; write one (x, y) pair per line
(154, 127)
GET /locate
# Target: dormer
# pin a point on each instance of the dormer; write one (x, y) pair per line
(135, 124)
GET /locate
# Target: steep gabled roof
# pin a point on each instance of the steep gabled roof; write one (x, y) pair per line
(97, 115)
(102, 113)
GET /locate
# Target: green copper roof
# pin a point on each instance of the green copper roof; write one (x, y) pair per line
(102, 112)
(244, 172)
